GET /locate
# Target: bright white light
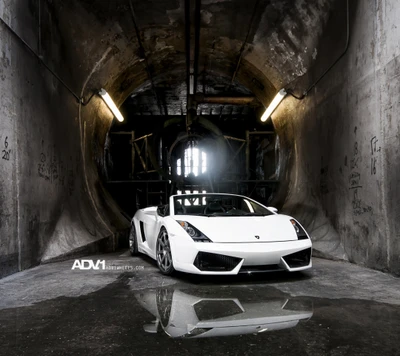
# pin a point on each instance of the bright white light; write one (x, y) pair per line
(195, 158)
(204, 162)
(274, 104)
(187, 162)
(110, 103)
(204, 198)
(178, 168)
(191, 162)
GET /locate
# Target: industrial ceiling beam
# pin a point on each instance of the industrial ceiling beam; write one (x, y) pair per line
(192, 65)
(197, 17)
(187, 49)
(244, 43)
(142, 53)
(227, 100)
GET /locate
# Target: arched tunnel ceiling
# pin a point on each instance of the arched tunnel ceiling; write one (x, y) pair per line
(281, 46)
(89, 45)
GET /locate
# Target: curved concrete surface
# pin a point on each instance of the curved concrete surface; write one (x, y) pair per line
(338, 147)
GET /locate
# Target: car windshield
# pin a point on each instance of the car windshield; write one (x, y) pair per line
(217, 205)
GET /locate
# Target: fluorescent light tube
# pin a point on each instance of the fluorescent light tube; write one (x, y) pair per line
(274, 104)
(110, 103)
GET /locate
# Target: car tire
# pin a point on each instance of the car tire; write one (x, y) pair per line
(133, 244)
(164, 304)
(164, 254)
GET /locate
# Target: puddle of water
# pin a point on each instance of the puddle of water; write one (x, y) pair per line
(202, 313)
(183, 319)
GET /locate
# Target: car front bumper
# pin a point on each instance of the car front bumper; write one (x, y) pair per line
(233, 258)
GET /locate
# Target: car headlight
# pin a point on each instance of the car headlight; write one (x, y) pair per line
(301, 234)
(194, 233)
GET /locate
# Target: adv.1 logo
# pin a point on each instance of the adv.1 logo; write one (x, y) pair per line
(89, 264)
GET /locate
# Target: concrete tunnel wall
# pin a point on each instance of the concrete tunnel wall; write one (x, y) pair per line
(52, 198)
(344, 176)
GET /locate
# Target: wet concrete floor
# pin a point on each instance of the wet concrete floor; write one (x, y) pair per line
(336, 309)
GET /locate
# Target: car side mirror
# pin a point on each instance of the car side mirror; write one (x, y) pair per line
(161, 210)
(274, 210)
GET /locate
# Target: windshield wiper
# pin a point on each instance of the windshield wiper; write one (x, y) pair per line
(256, 214)
(231, 214)
(215, 214)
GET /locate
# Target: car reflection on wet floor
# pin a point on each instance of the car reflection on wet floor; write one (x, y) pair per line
(181, 313)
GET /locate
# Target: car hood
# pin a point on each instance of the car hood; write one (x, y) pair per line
(249, 229)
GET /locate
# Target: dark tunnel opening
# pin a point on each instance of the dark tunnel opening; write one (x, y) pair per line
(151, 156)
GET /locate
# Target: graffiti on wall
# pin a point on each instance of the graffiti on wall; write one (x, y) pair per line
(355, 178)
(6, 152)
(374, 154)
(51, 169)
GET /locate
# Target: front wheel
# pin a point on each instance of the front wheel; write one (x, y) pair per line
(163, 253)
(133, 244)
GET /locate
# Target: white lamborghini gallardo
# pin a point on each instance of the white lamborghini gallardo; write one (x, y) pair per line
(219, 234)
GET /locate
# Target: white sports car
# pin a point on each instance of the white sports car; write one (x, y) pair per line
(219, 234)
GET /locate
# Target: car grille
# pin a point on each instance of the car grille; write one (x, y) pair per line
(260, 268)
(205, 261)
(298, 259)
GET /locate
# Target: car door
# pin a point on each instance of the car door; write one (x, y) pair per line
(154, 225)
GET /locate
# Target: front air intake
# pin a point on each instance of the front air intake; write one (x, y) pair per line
(298, 259)
(262, 268)
(205, 261)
